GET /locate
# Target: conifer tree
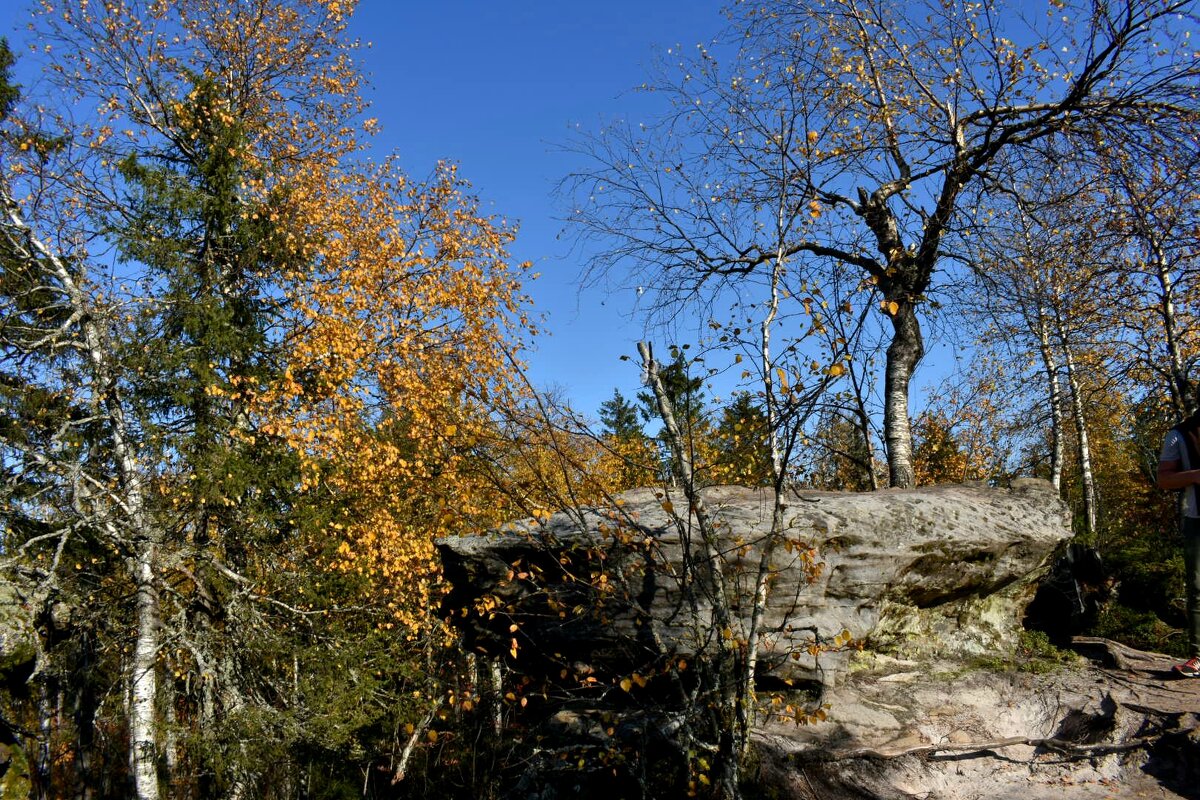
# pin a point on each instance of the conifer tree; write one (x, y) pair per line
(620, 417)
(174, 440)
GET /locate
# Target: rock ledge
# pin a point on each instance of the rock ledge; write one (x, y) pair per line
(936, 571)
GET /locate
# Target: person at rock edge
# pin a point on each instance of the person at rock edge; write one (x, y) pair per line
(1179, 469)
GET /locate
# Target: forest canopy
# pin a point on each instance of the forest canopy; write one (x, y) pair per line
(251, 370)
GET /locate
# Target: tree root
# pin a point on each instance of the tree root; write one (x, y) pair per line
(1072, 750)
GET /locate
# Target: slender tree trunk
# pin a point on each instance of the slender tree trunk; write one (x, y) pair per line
(495, 698)
(170, 736)
(414, 738)
(85, 734)
(41, 787)
(1054, 391)
(143, 751)
(864, 429)
(231, 701)
(903, 355)
(1180, 392)
(727, 677)
(85, 724)
(1086, 476)
(747, 703)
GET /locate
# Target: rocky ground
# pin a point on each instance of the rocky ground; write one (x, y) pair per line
(1115, 724)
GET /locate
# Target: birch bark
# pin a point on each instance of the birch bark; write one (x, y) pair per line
(126, 517)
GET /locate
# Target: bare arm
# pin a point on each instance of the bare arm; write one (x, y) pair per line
(1170, 473)
(1170, 476)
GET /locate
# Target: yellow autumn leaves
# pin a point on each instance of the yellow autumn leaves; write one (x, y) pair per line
(404, 323)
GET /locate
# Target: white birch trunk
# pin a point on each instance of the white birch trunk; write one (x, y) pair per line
(496, 692)
(1040, 323)
(1178, 387)
(1054, 389)
(748, 703)
(143, 750)
(1086, 476)
(128, 501)
(903, 355)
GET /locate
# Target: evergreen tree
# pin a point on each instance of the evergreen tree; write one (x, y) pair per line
(743, 456)
(200, 348)
(9, 93)
(620, 417)
(635, 457)
(686, 393)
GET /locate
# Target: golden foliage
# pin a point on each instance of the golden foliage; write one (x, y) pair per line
(952, 451)
(407, 314)
(630, 462)
(284, 67)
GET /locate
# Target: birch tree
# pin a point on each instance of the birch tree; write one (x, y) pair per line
(888, 116)
(1048, 279)
(194, 252)
(100, 494)
(1151, 209)
(787, 395)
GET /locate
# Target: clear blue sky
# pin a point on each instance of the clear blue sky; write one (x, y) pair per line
(496, 87)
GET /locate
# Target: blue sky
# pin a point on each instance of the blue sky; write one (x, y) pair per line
(497, 87)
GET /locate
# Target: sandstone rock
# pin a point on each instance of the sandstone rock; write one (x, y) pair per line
(1116, 728)
(930, 583)
(925, 572)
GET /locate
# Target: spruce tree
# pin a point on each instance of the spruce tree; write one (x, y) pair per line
(743, 455)
(620, 417)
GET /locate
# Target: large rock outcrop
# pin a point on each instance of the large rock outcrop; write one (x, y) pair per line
(925, 572)
(938, 697)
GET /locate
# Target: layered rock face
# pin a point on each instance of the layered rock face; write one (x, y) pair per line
(930, 699)
(943, 570)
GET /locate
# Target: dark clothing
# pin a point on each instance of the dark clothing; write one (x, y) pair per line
(1191, 565)
(1183, 445)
